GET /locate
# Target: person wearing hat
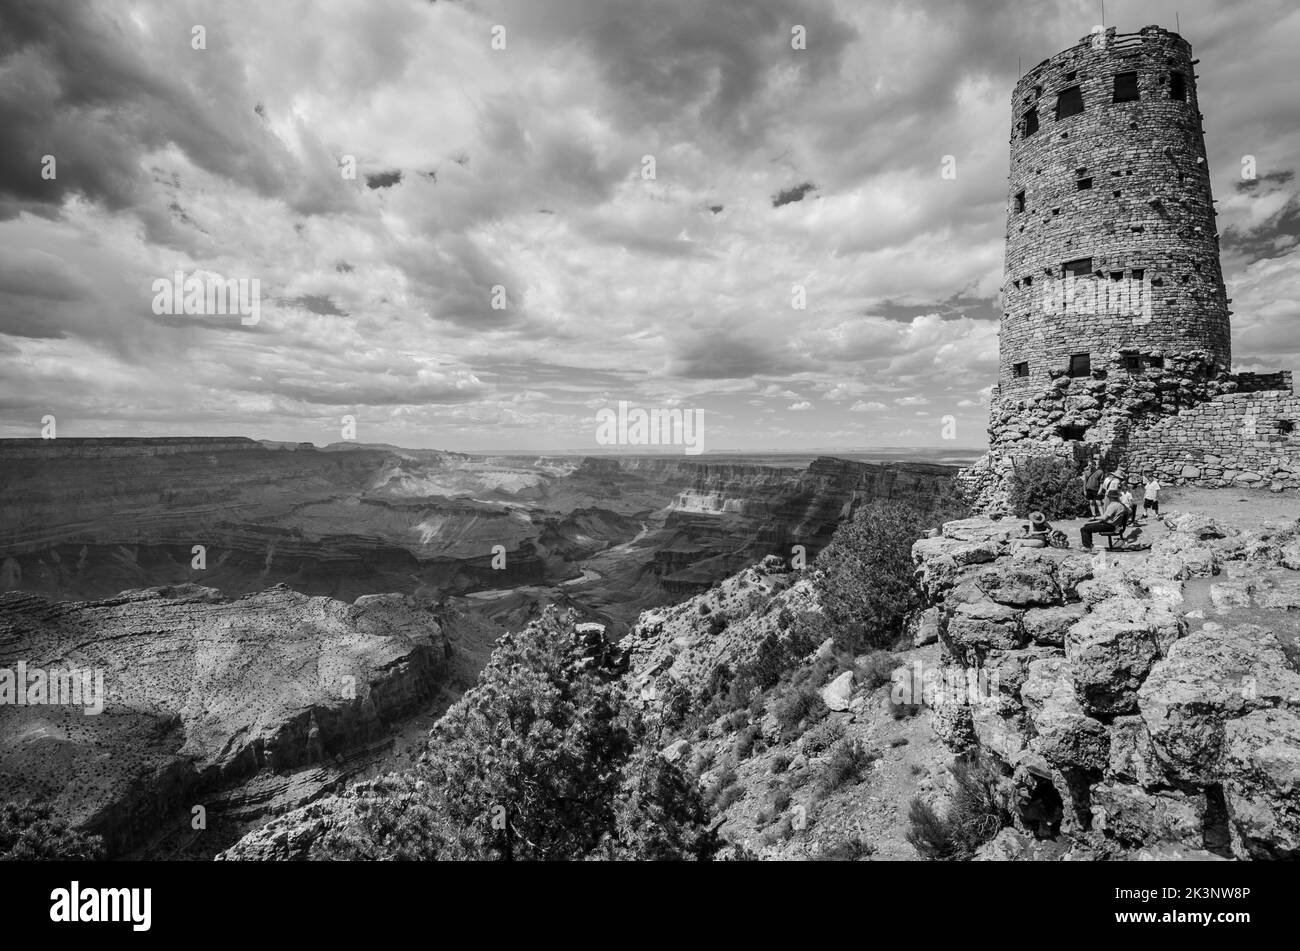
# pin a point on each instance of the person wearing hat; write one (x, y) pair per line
(1113, 518)
(1035, 533)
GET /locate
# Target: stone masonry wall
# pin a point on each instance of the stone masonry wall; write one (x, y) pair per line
(1241, 439)
(1152, 293)
(1115, 314)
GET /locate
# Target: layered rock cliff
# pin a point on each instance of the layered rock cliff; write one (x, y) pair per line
(248, 704)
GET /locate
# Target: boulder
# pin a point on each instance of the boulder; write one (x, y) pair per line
(1133, 816)
(971, 630)
(1021, 583)
(1066, 735)
(1049, 625)
(1209, 678)
(926, 628)
(1261, 766)
(1133, 757)
(1112, 649)
(837, 694)
(675, 752)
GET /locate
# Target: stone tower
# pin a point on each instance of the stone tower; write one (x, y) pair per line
(1114, 312)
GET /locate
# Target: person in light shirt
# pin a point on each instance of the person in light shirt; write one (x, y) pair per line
(1151, 494)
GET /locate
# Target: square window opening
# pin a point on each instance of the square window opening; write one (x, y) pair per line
(1083, 184)
(1126, 87)
(1178, 87)
(1080, 365)
(1031, 122)
(1020, 370)
(1020, 201)
(1082, 267)
(1069, 102)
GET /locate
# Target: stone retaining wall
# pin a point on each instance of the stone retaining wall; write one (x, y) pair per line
(1250, 439)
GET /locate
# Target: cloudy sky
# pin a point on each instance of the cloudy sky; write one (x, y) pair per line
(525, 168)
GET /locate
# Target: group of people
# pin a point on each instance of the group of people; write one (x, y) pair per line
(1112, 504)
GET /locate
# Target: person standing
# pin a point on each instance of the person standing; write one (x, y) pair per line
(1092, 491)
(1130, 504)
(1109, 483)
(1151, 494)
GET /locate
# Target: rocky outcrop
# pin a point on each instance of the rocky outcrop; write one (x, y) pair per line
(1144, 704)
(202, 694)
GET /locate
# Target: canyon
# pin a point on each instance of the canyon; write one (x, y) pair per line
(275, 620)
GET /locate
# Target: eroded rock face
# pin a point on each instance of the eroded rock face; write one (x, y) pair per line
(1125, 720)
(201, 693)
(1112, 649)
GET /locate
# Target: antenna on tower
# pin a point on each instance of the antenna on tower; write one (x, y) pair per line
(1178, 27)
(1103, 12)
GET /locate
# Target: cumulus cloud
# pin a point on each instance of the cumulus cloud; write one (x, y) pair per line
(464, 247)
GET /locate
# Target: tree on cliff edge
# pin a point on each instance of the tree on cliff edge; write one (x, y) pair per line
(865, 576)
(546, 759)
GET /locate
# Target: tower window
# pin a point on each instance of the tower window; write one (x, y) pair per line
(1020, 370)
(1069, 102)
(1139, 273)
(1156, 363)
(1031, 122)
(1133, 362)
(1079, 268)
(1072, 433)
(1083, 184)
(1020, 201)
(1080, 364)
(1178, 87)
(1126, 87)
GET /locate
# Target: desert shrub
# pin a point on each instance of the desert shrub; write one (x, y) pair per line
(1049, 485)
(735, 720)
(781, 799)
(780, 762)
(718, 623)
(30, 832)
(822, 736)
(974, 816)
(728, 797)
(847, 850)
(676, 707)
(797, 709)
(865, 578)
(901, 709)
(704, 608)
(875, 669)
(849, 759)
(745, 741)
(726, 777)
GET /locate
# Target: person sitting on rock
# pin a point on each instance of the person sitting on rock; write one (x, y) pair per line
(1034, 535)
(1113, 518)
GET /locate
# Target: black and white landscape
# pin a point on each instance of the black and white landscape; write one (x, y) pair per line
(564, 430)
